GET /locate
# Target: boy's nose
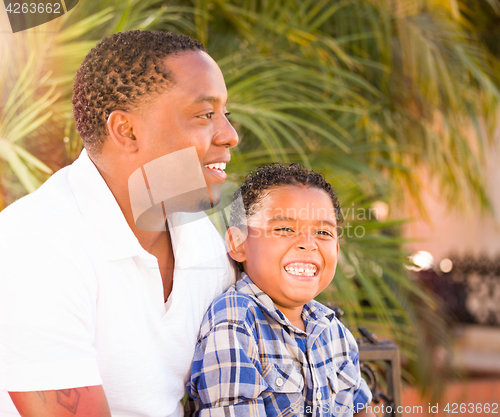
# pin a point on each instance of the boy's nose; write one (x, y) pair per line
(306, 242)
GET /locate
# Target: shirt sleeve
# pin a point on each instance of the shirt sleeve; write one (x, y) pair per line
(47, 313)
(362, 395)
(226, 377)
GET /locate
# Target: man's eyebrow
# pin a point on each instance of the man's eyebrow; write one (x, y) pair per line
(209, 99)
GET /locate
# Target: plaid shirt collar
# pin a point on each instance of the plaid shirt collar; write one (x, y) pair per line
(314, 313)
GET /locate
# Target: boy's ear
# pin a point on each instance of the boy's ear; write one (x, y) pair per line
(235, 242)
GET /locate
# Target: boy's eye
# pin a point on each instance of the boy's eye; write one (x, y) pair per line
(227, 114)
(283, 229)
(325, 233)
(207, 116)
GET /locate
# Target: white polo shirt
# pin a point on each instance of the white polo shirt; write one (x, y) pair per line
(81, 302)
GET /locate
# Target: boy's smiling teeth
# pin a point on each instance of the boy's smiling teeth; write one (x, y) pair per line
(299, 268)
(219, 166)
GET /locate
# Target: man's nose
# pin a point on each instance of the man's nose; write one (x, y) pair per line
(226, 135)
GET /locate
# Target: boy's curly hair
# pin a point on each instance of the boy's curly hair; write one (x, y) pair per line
(274, 175)
(122, 72)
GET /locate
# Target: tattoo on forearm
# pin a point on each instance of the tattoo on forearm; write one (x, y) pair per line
(68, 398)
(41, 394)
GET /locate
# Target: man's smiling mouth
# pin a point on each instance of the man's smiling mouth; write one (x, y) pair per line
(218, 167)
(301, 269)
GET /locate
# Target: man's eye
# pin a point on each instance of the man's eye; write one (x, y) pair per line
(207, 116)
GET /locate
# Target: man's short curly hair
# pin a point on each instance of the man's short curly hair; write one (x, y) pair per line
(122, 72)
(275, 175)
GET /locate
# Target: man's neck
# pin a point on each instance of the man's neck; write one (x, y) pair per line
(157, 243)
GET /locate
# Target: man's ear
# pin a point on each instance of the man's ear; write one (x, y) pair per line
(120, 127)
(235, 242)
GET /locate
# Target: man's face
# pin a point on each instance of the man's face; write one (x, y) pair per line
(291, 249)
(191, 113)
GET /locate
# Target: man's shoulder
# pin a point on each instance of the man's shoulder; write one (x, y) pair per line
(49, 212)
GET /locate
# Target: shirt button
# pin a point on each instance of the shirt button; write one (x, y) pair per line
(318, 395)
(279, 382)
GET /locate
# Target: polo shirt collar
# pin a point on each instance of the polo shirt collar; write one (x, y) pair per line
(313, 311)
(102, 214)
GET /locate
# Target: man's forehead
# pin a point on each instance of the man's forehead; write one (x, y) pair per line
(188, 63)
(196, 77)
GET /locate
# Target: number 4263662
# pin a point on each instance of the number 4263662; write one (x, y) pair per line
(33, 8)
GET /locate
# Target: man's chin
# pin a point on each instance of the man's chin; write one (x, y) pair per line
(215, 194)
(194, 201)
(211, 200)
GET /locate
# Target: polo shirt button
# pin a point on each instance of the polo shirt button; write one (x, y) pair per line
(318, 395)
(279, 382)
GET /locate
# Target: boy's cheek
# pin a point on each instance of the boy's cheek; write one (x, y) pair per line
(255, 232)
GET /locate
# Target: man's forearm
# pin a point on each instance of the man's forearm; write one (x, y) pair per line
(84, 402)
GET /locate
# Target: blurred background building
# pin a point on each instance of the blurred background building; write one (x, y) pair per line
(458, 257)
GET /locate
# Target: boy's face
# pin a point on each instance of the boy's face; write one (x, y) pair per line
(292, 248)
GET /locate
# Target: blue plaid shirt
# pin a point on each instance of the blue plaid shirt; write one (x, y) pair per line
(251, 361)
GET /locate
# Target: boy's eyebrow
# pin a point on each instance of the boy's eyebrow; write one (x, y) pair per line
(327, 222)
(281, 218)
